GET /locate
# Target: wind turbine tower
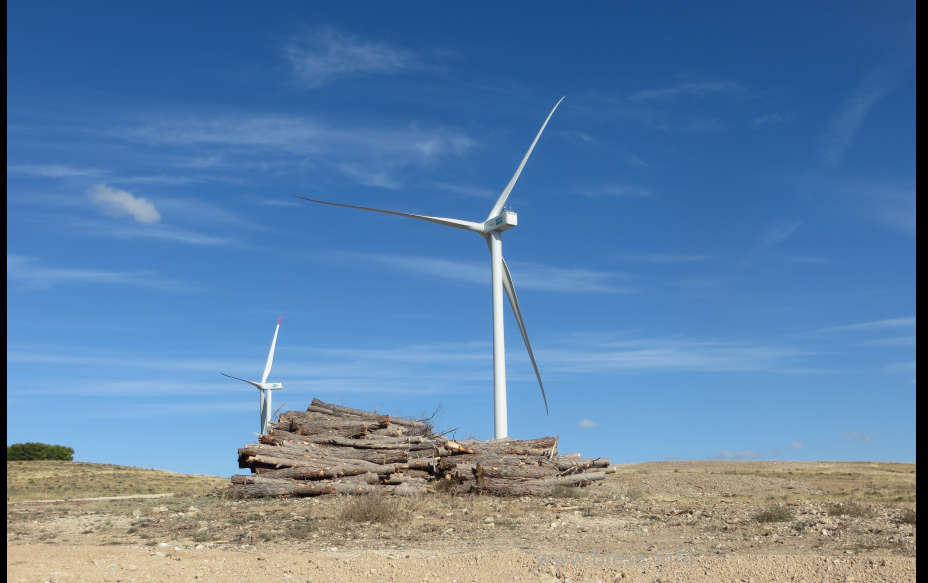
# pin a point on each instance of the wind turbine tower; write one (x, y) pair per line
(491, 229)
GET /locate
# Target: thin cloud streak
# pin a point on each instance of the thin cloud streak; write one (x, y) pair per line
(526, 276)
(847, 121)
(673, 355)
(159, 232)
(890, 323)
(322, 57)
(779, 232)
(371, 156)
(54, 170)
(692, 89)
(666, 257)
(743, 454)
(613, 190)
(29, 272)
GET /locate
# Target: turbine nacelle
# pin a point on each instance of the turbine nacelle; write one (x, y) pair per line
(257, 384)
(505, 220)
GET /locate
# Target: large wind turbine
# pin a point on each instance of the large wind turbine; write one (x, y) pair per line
(491, 229)
(263, 386)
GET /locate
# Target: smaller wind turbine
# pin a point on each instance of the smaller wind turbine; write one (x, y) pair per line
(263, 386)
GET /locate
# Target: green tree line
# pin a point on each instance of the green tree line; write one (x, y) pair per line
(38, 451)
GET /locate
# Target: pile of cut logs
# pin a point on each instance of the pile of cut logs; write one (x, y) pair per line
(331, 449)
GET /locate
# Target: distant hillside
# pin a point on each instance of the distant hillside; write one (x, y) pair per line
(41, 480)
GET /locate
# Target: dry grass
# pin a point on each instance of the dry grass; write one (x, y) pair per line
(849, 509)
(718, 505)
(567, 492)
(45, 479)
(774, 513)
(908, 517)
(371, 508)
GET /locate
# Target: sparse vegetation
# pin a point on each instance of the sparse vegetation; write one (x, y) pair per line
(45, 479)
(633, 493)
(697, 503)
(908, 517)
(774, 513)
(849, 509)
(566, 492)
(371, 508)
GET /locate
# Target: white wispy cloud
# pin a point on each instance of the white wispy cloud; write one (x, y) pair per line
(894, 341)
(587, 424)
(742, 454)
(702, 285)
(858, 436)
(796, 444)
(325, 56)
(779, 232)
(277, 202)
(199, 211)
(54, 170)
(173, 179)
(159, 232)
(467, 190)
(115, 202)
(810, 259)
(370, 155)
(525, 275)
(889, 323)
(767, 119)
(695, 125)
(846, 122)
(148, 410)
(598, 353)
(681, 108)
(367, 176)
(613, 190)
(690, 89)
(30, 272)
(635, 160)
(666, 257)
(895, 208)
(902, 367)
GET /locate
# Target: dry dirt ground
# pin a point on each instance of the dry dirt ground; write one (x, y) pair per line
(670, 521)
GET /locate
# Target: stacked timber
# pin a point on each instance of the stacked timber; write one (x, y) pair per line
(330, 449)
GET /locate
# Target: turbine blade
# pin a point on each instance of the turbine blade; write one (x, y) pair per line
(512, 182)
(270, 355)
(514, 302)
(457, 223)
(254, 383)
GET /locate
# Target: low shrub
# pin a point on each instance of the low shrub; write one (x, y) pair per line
(775, 513)
(38, 451)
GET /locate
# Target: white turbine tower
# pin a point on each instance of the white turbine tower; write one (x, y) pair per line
(491, 229)
(263, 386)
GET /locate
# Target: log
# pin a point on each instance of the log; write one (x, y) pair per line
(338, 410)
(325, 472)
(259, 487)
(514, 472)
(331, 449)
(539, 487)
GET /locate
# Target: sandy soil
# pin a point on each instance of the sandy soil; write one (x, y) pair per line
(674, 521)
(68, 563)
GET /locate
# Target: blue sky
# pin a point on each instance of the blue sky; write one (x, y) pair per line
(715, 256)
